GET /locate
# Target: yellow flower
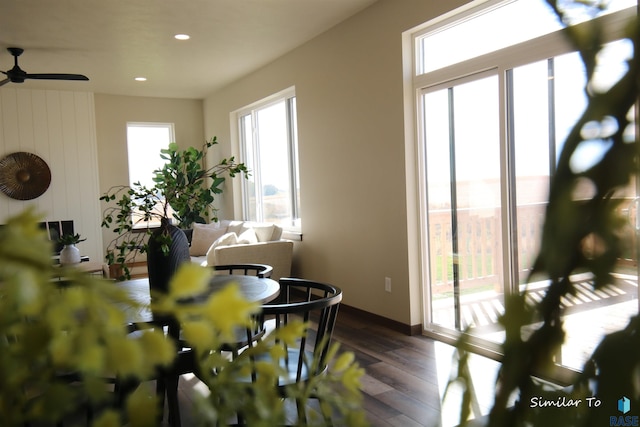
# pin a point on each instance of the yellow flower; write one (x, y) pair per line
(228, 309)
(29, 293)
(60, 349)
(190, 280)
(351, 378)
(266, 371)
(125, 356)
(108, 418)
(292, 332)
(91, 359)
(74, 298)
(142, 408)
(157, 349)
(343, 362)
(277, 351)
(199, 334)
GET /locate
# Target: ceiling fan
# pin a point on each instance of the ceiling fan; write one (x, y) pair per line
(17, 75)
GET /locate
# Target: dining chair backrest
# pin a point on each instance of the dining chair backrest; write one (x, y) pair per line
(313, 302)
(260, 270)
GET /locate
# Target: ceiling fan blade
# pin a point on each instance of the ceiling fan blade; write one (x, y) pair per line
(56, 76)
(4, 82)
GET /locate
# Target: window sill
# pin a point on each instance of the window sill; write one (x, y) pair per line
(292, 235)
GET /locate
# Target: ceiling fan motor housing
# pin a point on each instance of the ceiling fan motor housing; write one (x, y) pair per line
(16, 75)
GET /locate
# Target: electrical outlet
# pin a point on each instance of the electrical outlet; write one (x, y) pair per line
(387, 284)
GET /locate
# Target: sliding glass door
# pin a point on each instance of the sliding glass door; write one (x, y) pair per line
(464, 208)
(491, 141)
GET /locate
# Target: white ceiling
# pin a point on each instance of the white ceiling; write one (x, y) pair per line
(114, 41)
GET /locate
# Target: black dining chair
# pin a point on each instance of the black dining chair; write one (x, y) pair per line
(168, 378)
(243, 338)
(259, 270)
(308, 301)
(167, 383)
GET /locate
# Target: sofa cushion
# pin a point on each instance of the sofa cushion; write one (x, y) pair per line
(277, 233)
(236, 227)
(226, 239)
(247, 237)
(203, 237)
(263, 231)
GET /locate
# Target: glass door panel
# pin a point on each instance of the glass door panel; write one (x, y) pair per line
(547, 99)
(531, 157)
(464, 207)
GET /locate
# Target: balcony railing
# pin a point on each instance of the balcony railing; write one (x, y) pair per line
(479, 254)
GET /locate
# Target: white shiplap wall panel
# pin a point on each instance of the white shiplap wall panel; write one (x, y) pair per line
(70, 143)
(58, 126)
(57, 156)
(10, 129)
(40, 129)
(25, 122)
(2, 144)
(88, 174)
(10, 122)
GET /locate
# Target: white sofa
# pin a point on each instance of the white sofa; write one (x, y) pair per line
(241, 242)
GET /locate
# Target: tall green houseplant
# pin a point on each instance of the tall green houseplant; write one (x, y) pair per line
(183, 193)
(183, 182)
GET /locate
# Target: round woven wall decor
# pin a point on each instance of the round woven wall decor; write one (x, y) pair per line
(24, 176)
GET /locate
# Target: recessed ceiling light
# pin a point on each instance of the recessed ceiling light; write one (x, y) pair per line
(182, 36)
(141, 79)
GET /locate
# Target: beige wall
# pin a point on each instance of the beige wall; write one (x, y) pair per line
(112, 114)
(349, 87)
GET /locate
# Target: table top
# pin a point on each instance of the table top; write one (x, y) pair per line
(254, 289)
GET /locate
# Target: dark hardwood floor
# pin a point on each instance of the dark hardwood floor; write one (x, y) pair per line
(405, 376)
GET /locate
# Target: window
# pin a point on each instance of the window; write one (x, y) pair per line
(449, 43)
(491, 119)
(269, 147)
(144, 142)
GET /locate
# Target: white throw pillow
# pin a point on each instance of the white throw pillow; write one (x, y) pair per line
(236, 227)
(224, 223)
(227, 239)
(247, 237)
(203, 236)
(277, 233)
(264, 232)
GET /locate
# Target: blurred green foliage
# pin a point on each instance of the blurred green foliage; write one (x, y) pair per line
(613, 370)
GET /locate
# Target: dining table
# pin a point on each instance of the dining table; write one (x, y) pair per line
(253, 288)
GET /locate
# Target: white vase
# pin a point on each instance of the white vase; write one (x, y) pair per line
(69, 255)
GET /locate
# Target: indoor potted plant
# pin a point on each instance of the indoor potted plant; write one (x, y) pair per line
(183, 193)
(70, 254)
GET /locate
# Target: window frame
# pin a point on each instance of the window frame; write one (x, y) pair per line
(294, 229)
(154, 223)
(416, 83)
